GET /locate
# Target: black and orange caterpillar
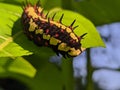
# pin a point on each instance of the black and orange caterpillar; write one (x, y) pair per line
(45, 31)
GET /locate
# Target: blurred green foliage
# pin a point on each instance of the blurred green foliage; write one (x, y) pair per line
(35, 70)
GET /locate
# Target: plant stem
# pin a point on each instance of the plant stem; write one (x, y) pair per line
(67, 71)
(89, 85)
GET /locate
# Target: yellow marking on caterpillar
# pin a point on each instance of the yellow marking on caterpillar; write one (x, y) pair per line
(40, 9)
(68, 30)
(32, 25)
(54, 41)
(39, 31)
(47, 37)
(74, 52)
(63, 47)
(74, 37)
(31, 12)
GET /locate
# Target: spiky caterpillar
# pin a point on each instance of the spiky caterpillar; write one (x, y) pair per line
(47, 32)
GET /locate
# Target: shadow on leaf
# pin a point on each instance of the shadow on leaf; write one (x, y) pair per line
(40, 55)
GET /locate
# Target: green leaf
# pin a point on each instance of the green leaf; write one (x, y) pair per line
(7, 46)
(92, 39)
(11, 49)
(16, 65)
(98, 11)
(10, 62)
(48, 76)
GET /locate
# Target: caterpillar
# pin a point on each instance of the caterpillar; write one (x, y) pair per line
(44, 31)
